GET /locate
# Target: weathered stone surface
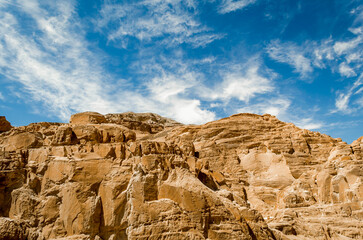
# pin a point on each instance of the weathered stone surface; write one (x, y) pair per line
(4, 124)
(88, 117)
(142, 176)
(145, 122)
(20, 141)
(11, 229)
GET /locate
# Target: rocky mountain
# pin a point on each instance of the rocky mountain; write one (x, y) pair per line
(142, 176)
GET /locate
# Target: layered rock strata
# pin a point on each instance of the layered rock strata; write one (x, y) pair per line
(142, 176)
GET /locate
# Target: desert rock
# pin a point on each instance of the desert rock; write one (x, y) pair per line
(4, 124)
(88, 117)
(142, 176)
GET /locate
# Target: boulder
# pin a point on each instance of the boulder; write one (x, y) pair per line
(88, 117)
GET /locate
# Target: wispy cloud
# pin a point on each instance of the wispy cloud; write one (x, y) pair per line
(309, 123)
(291, 54)
(280, 106)
(344, 56)
(351, 53)
(53, 62)
(344, 47)
(2, 97)
(274, 106)
(169, 92)
(172, 89)
(51, 59)
(343, 100)
(228, 6)
(168, 22)
(346, 71)
(240, 81)
(178, 84)
(312, 54)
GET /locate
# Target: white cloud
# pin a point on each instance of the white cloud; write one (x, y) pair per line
(168, 85)
(357, 30)
(353, 57)
(233, 5)
(188, 111)
(2, 97)
(351, 50)
(291, 54)
(239, 82)
(320, 52)
(215, 105)
(244, 87)
(169, 91)
(57, 69)
(346, 71)
(55, 66)
(280, 106)
(344, 47)
(309, 123)
(178, 87)
(275, 106)
(343, 56)
(360, 102)
(149, 20)
(343, 99)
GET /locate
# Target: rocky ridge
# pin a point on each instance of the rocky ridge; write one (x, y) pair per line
(142, 176)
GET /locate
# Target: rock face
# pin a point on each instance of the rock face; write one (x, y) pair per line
(142, 176)
(4, 124)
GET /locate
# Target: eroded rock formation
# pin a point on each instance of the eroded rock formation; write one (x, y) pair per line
(142, 176)
(4, 124)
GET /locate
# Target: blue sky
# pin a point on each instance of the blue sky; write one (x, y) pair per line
(193, 61)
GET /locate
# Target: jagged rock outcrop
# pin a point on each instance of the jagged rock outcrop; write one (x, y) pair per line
(142, 176)
(4, 124)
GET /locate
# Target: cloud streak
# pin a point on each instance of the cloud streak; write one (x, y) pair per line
(55, 67)
(291, 54)
(342, 56)
(167, 22)
(343, 99)
(164, 56)
(275, 106)
(228, 6)
(240, 81)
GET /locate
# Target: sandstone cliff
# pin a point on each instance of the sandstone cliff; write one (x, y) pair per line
(142, 176)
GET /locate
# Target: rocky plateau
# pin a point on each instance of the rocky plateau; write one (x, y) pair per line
(143, 176)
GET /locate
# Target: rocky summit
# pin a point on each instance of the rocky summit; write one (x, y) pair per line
(143, 176)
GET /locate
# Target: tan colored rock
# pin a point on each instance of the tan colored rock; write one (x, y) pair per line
(11, 229)
(4, 124)
(23, 205)
(87, 133)
(142, 176)
(64, 136)
(144, 122)
(88, 118)
(80, 211)
(22, 141)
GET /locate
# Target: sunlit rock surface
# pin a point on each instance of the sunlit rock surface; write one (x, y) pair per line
(142, 176)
